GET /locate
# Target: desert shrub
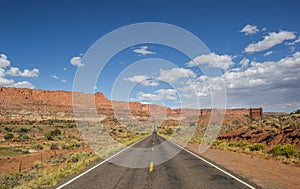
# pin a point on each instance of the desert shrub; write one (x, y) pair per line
(283, 150)
(75, 145)
(193, 124)
(50, 134)
(71, 137)
(240, 144)
(53, 146)
(56, 132)
(8, 129)
(24, 130)
(9, 180)
(170, 131)
(70, 126)
(65, 146)
(37, 147)
(256, 147)
(8, 136)
(23, 137)
(295, 112)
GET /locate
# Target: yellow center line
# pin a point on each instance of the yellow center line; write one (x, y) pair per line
(151, 166)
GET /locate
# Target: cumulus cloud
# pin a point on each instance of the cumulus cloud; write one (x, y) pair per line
(213, 60)
(270, 41)
(294, 42)
(76, 61)
(54, 77)
(143, 50)
(14, 71)
(143, 80)
(161, 94)
(175, 74)
(269, 84)
(6, 69)
(22, 84)
(4, 81)
(244, 62)
(4, 62)
(250, 29)
(268, 53)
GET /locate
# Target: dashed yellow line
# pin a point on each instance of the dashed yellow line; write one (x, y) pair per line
(151, 166)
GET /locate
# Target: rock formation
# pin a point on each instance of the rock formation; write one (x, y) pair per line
(20, 103)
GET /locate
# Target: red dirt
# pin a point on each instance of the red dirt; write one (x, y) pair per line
(11, 164)
(269, 174)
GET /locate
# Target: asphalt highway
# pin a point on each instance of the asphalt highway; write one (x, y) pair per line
(184, 170)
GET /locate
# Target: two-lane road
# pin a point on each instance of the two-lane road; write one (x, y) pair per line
(184, 170)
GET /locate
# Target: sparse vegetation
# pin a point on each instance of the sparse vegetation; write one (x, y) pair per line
(256, 147)
(287, 151)
(8, 136)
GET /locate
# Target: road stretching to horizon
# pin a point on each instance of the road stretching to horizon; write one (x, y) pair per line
(184, 170)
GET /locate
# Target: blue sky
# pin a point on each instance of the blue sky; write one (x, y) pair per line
(39, 39)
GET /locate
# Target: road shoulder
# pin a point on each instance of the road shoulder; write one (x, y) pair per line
(264, 173)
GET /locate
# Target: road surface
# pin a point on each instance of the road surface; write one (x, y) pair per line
(185, 170)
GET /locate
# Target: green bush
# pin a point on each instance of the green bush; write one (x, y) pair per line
(256, 147)
(50, 134)
(37, 147)
(65, 146)
(8, 136)
(23, 137)
(283, 150)
(193, 124)
(240, 144)
(24, 130)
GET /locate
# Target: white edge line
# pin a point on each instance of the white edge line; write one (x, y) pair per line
(87, 171)
(213, 165)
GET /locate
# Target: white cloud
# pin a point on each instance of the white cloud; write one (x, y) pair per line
(2, 73)
(265, 83)
(213, 60)
(22, 84)
(64, 81)
(65, 69)
(244, 62)
(143, 80)
(76, 61)
(4, 81)
(161, 94)
(95, 87)
(14, 71)
(4, 62)
(268, 53)
(197, 87)
(54, 76)
(250, 29)
(270, 41)
(175, 74)
(143, 50)
(294, 42)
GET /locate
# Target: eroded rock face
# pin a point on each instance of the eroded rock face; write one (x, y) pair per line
(265, 135)
(19, 103)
